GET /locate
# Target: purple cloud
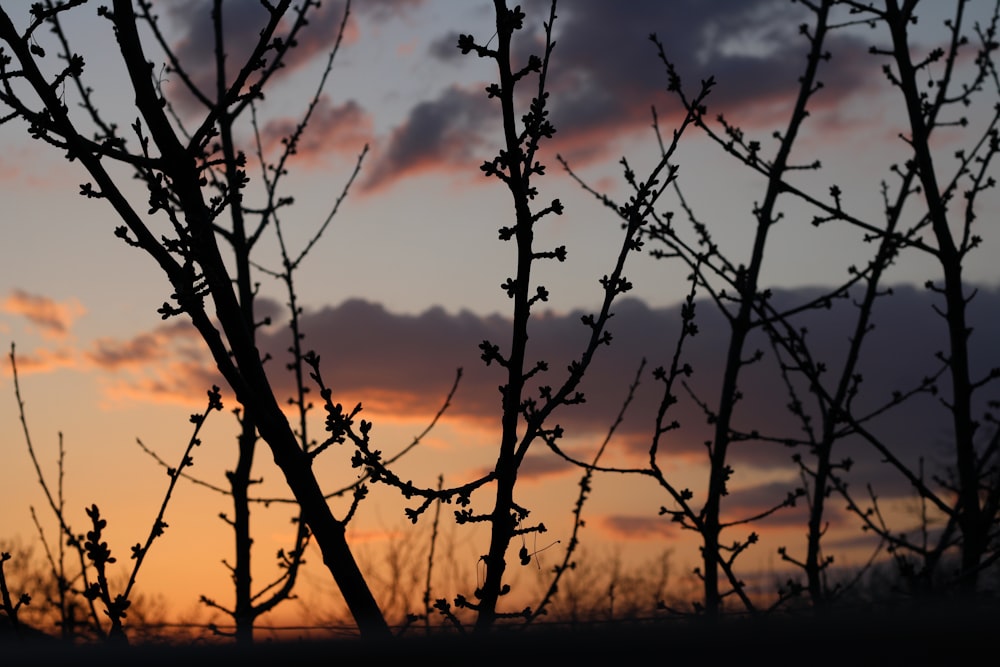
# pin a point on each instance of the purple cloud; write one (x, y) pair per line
(332, 128)
(404, 365)
(605, 74)
(415, 356)
(195, 49)
(441, 133)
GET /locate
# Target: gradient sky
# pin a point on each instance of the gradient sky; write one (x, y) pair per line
(406, 283)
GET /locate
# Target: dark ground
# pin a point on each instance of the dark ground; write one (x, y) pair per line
(935, 635)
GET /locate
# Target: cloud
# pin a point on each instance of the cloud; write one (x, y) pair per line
(169, 364)
(177, 339)
(178, 382)
(405, 363)
(10, 171)
(54, 319)
(636, 528)
(402, 366)
(444, 133)
(382, 11)
(758, 499)
(44, 360)
(538, 467)
(605, 76)
(445, 47)
(341, 128)
(195, 45)
(606, 73)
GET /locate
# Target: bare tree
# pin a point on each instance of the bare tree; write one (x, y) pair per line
(747, 305)
(197, 189)
(193, 179)
(735, 287)
(946, 230)
(93, 552)
(968, 502)
(529, 397)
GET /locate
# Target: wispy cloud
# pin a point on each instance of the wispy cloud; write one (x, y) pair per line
(169, 364)
(538, 468)
(630, 527)
(177, 382)
(195, 39)
(9, 170)
(343, 128)
(442, 134)
(195, 42)
(44, 360)
(54, 319)
(167, 341)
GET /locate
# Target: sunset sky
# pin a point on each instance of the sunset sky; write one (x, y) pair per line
(405, 284)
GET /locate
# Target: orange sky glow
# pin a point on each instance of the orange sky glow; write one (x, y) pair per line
(405, 284)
